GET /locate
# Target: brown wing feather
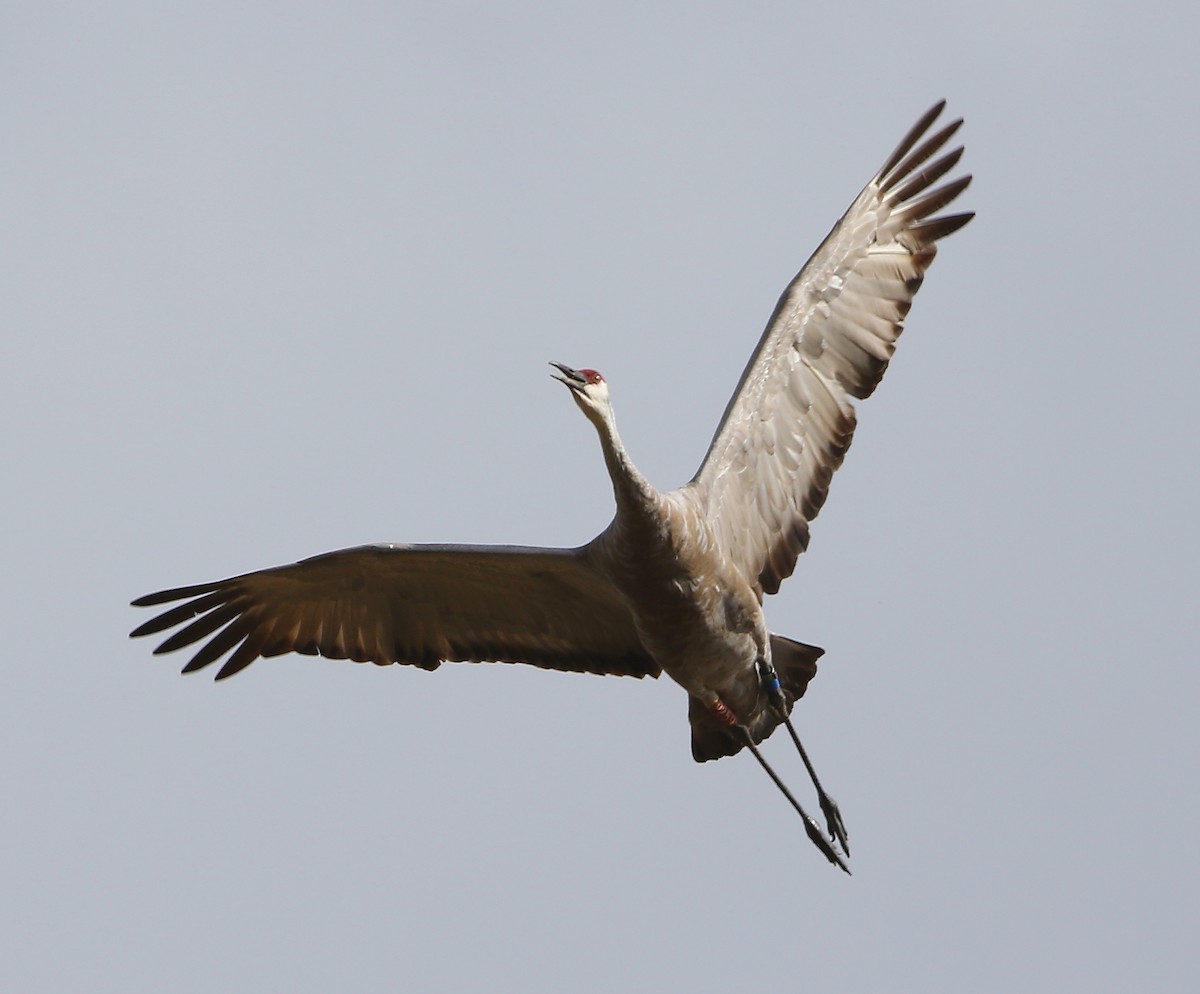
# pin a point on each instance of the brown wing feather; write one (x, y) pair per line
(790, 421)
(419, 605)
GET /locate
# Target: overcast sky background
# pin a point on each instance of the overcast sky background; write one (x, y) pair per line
(283, 278)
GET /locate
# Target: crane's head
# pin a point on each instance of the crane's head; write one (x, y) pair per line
(588, 389)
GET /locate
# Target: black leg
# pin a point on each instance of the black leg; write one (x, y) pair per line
(833, 816)
(741, 732)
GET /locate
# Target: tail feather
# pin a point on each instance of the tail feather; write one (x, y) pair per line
(796, 664)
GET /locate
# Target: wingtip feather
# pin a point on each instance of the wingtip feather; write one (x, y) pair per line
(912, 137)
(174, 594)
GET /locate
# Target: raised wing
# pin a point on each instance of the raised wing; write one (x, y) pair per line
(790, 421)
(415, 604)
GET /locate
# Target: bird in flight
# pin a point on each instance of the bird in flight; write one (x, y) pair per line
(675, 583)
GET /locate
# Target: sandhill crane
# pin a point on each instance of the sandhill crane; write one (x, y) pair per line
(675, 583)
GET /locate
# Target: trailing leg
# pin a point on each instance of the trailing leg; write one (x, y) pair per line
(740, 732)
(833, 816)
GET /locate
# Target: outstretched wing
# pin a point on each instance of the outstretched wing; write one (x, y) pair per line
(415, 604)
(790, 421)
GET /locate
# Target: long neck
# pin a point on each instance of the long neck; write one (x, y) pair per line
(633, 492)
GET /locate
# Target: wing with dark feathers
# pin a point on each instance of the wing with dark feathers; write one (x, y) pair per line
(414, 604)
(790, 421)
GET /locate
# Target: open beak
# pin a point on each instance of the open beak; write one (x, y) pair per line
(571, 377)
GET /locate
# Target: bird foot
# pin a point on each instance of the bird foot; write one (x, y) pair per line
(818, 839)
(833, 822)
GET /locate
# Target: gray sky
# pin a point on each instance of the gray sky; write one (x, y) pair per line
(283, 280)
